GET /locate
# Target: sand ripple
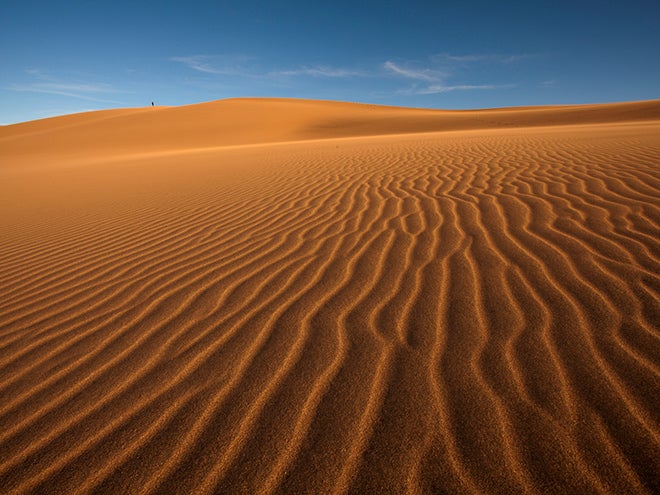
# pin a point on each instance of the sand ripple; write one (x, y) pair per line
(449, 312)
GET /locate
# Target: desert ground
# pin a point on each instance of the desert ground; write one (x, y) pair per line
(258, 296)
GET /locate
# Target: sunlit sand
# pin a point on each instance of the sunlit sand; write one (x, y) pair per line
(289, 296)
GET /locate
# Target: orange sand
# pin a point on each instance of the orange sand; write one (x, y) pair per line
(288, 296)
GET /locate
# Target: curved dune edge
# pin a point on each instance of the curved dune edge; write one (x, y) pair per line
(454, 310)
(246, 121)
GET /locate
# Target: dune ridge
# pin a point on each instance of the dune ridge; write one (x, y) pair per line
(245, 121)
(339, 299)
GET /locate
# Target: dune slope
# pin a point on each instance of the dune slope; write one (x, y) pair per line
(285, 296)
(258, 121)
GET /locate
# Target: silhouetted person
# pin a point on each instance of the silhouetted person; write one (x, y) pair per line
(152, 103)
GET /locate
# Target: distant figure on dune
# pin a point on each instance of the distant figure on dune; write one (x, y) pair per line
(152, 103)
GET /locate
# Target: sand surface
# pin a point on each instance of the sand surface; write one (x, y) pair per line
(288, 296)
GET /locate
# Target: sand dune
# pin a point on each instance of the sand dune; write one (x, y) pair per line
(258, 121)
(288, 296)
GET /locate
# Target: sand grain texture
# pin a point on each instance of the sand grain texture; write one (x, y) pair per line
(288, 296)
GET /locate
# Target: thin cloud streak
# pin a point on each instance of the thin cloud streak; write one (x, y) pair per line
(320, 71)
(418, 74)
(429, 80)
(480, 58)
(216, 64)
(35, 88)
(439, 88)
(48, 84)
(198, 63)
(234, 66)
(442, 72)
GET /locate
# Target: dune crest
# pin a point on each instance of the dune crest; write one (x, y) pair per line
(261, 120)
(290, 296)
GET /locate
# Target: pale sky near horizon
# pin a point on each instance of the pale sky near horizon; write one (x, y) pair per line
(65, 57)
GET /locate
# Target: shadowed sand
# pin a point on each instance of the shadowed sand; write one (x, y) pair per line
(289, 296)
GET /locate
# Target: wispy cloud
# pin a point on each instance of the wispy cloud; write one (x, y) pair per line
(242, 66)
(40, 88)
(226, 65)
(447, 58)
(198, 62)
(320, 71)
(439, 75)
(424, 74)
(38, 73)
(48, 84)
(440, 88)
(442, 73)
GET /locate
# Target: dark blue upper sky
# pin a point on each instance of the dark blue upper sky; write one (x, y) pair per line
(62, 57)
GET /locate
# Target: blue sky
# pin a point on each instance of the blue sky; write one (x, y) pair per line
(70, 56)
